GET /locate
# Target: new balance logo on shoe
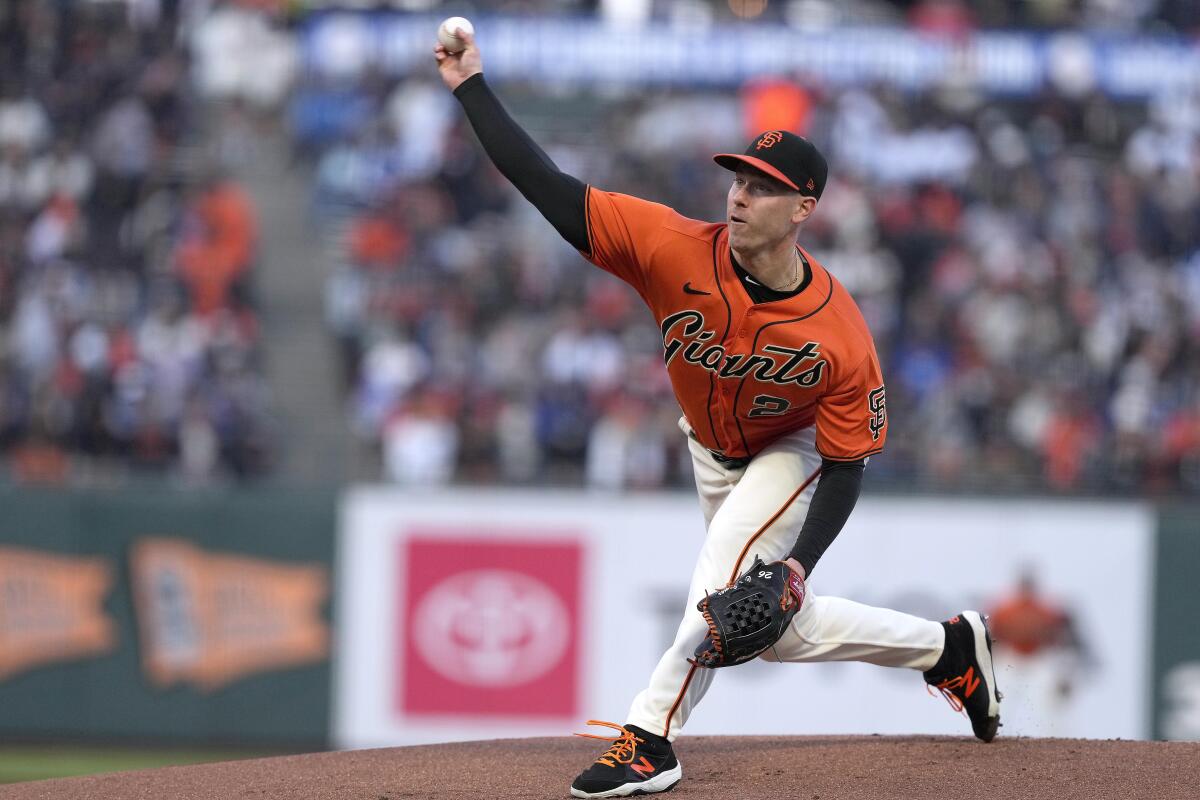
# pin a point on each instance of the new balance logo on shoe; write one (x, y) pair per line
(970, 682)
(645, 768)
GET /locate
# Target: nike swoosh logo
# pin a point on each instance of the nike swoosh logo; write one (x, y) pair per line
(687, 287)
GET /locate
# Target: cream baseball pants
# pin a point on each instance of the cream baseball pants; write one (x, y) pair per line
(758, 510)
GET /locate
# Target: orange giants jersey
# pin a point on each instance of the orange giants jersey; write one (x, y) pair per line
(744, 374)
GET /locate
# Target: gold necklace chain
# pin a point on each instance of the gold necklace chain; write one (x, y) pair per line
(795, 277)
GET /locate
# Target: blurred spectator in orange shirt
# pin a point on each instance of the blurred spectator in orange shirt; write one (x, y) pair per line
(1027, 622)
(774, 104)
(1068, 444)
(218, 243)
(377, 241)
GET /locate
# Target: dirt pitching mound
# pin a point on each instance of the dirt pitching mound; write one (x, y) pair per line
(714, 768)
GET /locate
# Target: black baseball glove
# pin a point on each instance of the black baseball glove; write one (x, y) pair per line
(748, 616)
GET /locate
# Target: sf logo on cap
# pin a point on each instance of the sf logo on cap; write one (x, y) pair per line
(769, 139)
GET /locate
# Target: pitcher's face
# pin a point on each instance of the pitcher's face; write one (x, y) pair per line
(761, 211)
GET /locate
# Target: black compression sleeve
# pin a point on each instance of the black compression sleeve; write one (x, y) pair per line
(558, 196)
(832, 502)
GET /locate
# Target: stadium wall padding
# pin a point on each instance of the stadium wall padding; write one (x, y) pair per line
(1175, 701)
(238, 583)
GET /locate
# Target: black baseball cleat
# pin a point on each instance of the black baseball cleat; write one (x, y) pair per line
(638, 762)
(965, 675)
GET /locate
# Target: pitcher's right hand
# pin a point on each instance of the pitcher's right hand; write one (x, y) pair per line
(457, 67)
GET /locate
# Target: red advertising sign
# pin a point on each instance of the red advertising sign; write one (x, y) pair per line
(490, 626)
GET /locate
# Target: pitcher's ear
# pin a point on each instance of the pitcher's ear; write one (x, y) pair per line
(804, 209)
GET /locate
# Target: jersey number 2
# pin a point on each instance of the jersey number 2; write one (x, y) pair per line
(766, 405)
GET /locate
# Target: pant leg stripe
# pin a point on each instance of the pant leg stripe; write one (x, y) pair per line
(678, 699)
(771, 522)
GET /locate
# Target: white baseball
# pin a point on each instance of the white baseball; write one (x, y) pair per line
(446, 36)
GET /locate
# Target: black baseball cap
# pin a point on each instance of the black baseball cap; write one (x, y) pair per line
(786, 157)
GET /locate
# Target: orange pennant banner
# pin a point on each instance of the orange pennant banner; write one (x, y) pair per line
(213, 618)
(52, 608)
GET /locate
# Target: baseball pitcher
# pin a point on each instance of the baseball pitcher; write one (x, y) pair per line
(783, 403)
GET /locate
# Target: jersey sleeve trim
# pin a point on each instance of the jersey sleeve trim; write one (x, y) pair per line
(859, 457)
(587, 220)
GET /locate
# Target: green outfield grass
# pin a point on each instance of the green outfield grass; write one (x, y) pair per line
(38, 762)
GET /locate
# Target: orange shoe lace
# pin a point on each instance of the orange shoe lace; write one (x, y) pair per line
(623, 746)
(944, 688)
(967, 681)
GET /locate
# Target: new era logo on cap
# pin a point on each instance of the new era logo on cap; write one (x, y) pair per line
(786, 157)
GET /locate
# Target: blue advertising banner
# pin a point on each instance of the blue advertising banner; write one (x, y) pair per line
(576, 51)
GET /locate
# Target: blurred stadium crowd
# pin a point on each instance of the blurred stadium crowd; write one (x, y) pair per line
(129, 338)
(1030, 266)
(1031, 271)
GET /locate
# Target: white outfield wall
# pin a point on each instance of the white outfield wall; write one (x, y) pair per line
(476, 614)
